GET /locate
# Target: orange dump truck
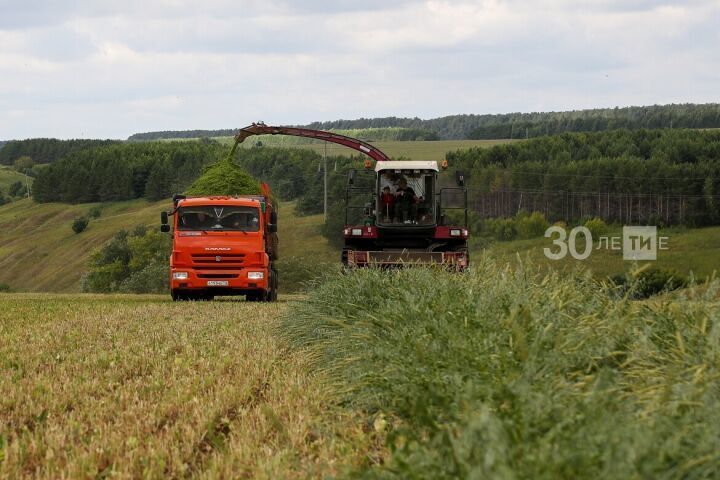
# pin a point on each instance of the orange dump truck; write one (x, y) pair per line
(223, 245)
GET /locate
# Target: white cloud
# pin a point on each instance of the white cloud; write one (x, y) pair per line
(106, 69)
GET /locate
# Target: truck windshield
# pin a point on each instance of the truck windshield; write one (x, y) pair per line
(219, 218)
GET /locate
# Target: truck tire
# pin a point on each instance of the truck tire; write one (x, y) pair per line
(273, 293)
(177, 296)
(254, 296)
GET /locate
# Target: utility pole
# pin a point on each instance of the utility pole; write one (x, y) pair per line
(325, 186)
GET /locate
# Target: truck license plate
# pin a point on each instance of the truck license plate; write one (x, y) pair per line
(217, 283)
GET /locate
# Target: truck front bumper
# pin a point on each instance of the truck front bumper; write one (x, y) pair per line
(241, 280)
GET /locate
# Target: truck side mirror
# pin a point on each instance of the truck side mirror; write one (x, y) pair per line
(351, 176)
(164, 227)
(460, 177)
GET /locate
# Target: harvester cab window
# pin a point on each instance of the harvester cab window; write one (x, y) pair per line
(406, 197)
(219, 218)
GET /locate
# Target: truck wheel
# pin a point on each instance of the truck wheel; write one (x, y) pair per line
(271, 295)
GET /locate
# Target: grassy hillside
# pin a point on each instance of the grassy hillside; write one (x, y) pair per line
(690, 251)
(40, 252)
(8, 176)
(109, 386)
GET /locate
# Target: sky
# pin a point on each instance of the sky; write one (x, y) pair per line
(108, 69)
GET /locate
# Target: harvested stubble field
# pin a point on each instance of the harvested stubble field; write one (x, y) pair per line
(136, 386)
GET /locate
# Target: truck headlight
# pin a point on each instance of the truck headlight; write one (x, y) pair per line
(180, 275)
(256, 275)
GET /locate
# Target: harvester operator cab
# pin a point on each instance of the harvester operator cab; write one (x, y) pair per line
(406, 193)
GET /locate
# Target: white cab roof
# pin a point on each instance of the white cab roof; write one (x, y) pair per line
(406, 165)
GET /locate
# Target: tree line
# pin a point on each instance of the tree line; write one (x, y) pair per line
(512, 125)
(528, 125)
(153, 170)
(45, 150)
(639, 176)
(367, 134)
(186, 134)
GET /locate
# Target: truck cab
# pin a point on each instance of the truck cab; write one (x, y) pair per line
(223, 245)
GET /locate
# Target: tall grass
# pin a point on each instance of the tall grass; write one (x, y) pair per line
(507, 373)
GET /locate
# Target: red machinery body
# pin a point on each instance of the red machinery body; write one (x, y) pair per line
(224, 246)
(359, 145)
(388, 236)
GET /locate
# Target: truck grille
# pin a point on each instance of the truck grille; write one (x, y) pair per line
(226, 260)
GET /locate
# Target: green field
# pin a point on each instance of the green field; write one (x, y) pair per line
(690, 252)
(419, 150)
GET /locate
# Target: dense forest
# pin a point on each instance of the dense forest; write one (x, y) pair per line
(640, 176)
(45, 150)
(626, 176)
(152, 170)
(514, 125)
(660, 177)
